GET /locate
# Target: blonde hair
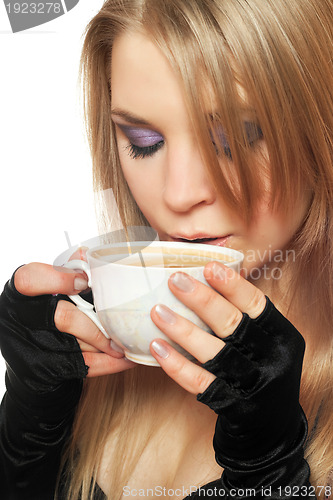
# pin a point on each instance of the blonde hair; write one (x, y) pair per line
(280, 52)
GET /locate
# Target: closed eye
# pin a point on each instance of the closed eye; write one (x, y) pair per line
(136, 152)
(143, 142)
(252, 130)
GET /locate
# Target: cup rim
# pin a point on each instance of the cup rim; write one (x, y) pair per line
(237, 256)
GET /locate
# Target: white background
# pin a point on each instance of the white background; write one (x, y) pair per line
(46, 180)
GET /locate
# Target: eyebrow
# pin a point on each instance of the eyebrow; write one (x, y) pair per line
(129, 117)
(137, 120)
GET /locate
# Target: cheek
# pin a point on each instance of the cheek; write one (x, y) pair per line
(273, 231)
(269, 229)
(264, 240)
(144, 185)
(276, 228)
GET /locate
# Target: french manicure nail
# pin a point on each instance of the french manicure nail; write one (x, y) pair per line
(183, 282)
(160, 349)
(80, 284)
(166, 314)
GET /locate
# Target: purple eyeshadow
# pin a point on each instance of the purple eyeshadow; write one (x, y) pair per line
(220, 134)
(141, 137)
(252, 130)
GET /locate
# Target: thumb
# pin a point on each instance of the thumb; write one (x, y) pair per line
(41, 279)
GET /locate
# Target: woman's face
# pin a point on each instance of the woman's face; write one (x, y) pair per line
(163, 167)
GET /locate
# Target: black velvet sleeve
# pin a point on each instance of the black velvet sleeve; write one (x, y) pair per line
(261, 428)
(44, 376)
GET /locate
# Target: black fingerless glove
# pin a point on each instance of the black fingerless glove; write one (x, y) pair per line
(44, 376)
(261, 428)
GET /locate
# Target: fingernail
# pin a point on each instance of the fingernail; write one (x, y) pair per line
(166, 314)
(183, 282)
(160, 349)
(116, 347)
(80, 284)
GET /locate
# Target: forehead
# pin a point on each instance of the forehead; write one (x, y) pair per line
(142, 79)
(133, 53)
(144, 83)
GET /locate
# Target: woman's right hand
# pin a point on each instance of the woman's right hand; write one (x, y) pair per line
(37, 279)
(49, 347)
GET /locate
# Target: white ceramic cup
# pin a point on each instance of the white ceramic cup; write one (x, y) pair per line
(127, 284)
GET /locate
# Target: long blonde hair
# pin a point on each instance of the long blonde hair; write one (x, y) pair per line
(280, 52)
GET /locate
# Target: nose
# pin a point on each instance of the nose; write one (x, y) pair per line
(187, 182)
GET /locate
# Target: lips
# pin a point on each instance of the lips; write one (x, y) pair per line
(219, 241)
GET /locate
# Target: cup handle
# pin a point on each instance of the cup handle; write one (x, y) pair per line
(83, 305)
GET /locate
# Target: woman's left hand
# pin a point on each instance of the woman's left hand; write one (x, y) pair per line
(250, 376)
(222, 310)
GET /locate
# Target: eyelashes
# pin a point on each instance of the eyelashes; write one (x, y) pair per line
(144, 143)
(142, 152)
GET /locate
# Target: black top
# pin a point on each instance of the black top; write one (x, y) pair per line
(260, 429)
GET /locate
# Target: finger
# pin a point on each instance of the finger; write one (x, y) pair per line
(80, 254)
(240, 292)
(191, 377)
(217, 312)
(69, 319)
(102, 364)
(39, 279)
(86, 347)
(202, 345)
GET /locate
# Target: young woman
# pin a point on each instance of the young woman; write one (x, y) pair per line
(210, 120)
